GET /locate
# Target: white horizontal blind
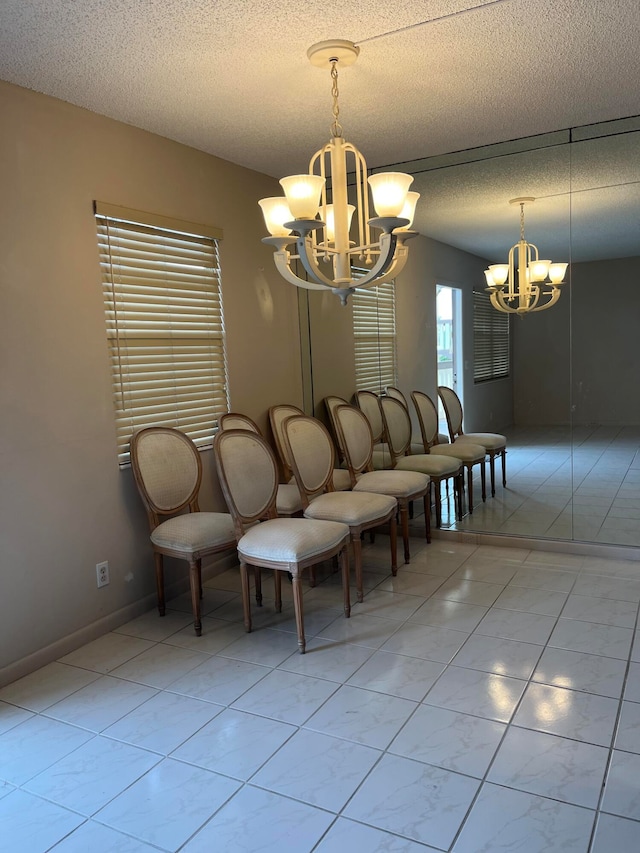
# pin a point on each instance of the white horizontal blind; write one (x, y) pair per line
(374, 329)
(165, 329)
(491, 350)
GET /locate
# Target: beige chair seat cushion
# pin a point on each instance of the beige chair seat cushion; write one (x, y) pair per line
(353, 508)
(401, 484)
(489, 440)
(463, 450)
(442, 438)
(288, 500)
(290, 540)
(195, 531)
(433, 465)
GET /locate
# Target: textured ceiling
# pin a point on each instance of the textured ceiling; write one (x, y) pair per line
(231, 77)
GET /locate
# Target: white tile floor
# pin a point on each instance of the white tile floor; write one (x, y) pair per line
(581, 483)
(486, 699)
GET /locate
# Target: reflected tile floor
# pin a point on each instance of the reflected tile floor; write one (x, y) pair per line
(486, 700)
(581, 483)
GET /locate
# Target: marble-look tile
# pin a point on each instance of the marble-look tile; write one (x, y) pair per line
(371, 631)
(168, 804)
(211, 600)
(45, 686)
(494, 654)
(30, 747)
(607, 611)
(286, 696)
(159, 666)
(235, 743)
(372, 719)
(411, 583)
(615, 834)
(449, 614)
(635, 650)
(152, 626)
(347, 835)
(216, 635)
(622, 791)
(591, 638)
(278, 822)
(318, 769)
(86, 779)
(163, 722)
(106, 653)
(553, 558)
(426, 642)
(487, 695)
(472, 590)
(628, 734)
(608, 587)
(100, 839)
(327, 659)
(317, 617)
(12, 715)
(551, 766)
(503, 820)
(100, 703)
(580, 671)
(424, 803)
(265, 646)
(449, 739)
(569, 713)
(397, 675)
(535, 577)
(542, 601)
(219, 680)
(388, 605)
(30, 824)
(632, 687)
(515, 625)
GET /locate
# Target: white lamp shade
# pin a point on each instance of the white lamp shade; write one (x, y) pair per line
(409, 210)
(330, 223)
(538, 270)
(389, 191)
(303, 194)
(489, 278)
(276, 212)
(556, 273)
(499, 272)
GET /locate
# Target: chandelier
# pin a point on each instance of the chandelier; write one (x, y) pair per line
(523, 293)
(320, 217)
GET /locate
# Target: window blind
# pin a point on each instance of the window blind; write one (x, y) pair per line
(491, 350)
(374, 329)
(165, 329)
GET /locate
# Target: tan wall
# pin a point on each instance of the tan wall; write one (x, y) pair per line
(65, 504)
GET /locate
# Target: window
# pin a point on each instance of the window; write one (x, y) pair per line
(165, 328)
(490, 340)
(374, 329)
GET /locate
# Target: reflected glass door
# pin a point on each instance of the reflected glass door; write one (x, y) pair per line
(449, 355)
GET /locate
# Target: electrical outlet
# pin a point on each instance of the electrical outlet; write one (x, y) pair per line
(102, 573)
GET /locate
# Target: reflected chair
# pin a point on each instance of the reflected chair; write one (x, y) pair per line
(310, 449)
(331, 403)
(494, 443)
(405, 486)
(397, 425)
(168, 472)
(367, 402)
(288, 501)
(248, 473)
(277, 416)
(392, 391)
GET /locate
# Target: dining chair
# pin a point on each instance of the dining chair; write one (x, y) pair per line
(248, 473)
(168, 472)
(311, 451)
(494, 443)
(392, 391)
(367, 402)
(405, 486)
(397, 425)
(277, 416)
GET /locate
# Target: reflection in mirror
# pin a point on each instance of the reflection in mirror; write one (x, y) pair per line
(569, 407)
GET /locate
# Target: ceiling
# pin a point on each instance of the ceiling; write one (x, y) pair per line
(231, 77)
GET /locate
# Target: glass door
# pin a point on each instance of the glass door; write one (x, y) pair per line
(449, 336)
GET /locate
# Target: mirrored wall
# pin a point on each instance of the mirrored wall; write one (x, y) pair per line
(570, 407)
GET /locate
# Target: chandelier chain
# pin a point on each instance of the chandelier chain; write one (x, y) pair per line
(522, 221)
(336, 127)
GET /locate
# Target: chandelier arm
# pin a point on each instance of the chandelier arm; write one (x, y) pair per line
(307, 257)
(494, 296)
(555, 295)
(387, 248)
(282, 260)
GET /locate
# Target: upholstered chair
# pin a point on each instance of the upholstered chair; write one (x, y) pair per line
(392, 391)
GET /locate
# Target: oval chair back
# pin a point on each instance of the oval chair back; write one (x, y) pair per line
(235, 420)
(354, 435)
(427, 418)
(367, 402)
(452, 409)
(309, 447)
(277, 416)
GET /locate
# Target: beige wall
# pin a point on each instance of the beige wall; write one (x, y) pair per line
(65, 504)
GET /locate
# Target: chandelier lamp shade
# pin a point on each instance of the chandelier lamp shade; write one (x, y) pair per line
(525, 283)
(314, 223)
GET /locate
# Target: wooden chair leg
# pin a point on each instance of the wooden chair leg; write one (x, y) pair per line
(257, 575)
(246, 601)
(194, 582)
(404, 527)
(492, 470)
(427, 517)
(344, 562)
(297, 606)
(483, 480)
(438, 501)
(357, 561)
(460, 493)
(277, 584)
(393, 536)
(470, 488)
(159, 582)
(200, 591)
(503, 453)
